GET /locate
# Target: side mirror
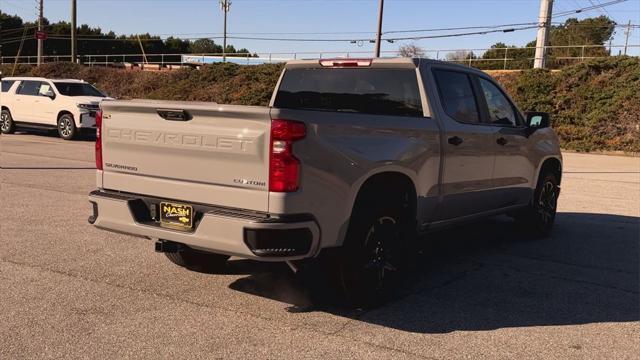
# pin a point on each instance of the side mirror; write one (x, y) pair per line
(51, 95)
(537, 120)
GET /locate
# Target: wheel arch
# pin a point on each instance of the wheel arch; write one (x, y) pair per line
(381, 181)
(553, 164)
(65, 112)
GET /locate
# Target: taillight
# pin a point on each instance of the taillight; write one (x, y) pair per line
(284, 167)
(99, 140)
(345, 62)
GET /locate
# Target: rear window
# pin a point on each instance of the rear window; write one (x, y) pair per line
(457, 96)
(367, 91)
(6, 85)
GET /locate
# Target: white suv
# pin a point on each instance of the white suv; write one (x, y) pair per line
(37, 103)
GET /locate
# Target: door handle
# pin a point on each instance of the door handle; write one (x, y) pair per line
(502, 141)
(174, 114)
(455, 140)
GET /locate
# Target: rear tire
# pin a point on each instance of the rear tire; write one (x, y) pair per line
(199, 261)
(376, 254)
(539, 217)
(67, 127)
(7, 126)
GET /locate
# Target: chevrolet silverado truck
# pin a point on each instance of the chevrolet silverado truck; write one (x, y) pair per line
(354, 157)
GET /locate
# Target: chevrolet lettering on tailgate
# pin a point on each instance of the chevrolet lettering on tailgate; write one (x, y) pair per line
(158, 138)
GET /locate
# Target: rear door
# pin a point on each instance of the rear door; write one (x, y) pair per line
(214, 155)
(469, 154)
(25, 102)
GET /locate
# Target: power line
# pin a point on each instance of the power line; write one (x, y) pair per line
(18, 29)
(15, 29)
(421, 37)
(322, 40)
(588, 8)
(603, 9)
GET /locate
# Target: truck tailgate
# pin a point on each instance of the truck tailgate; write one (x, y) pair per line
(217, 155)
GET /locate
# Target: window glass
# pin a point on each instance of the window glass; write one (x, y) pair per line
(77, 89)
(29, 88)
(368, 91)
(45, 90)
(456, 94)
(500, 109)
(6, 85)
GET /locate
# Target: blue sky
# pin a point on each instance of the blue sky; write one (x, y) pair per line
(336, 18)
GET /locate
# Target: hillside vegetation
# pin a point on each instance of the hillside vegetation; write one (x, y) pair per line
(594, 105)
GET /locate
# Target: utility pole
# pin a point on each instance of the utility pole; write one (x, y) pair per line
(379, 34)
(626, 40)
(144, 55)
(225, 5)
(544, 24)
(74, 26)
(40, 41)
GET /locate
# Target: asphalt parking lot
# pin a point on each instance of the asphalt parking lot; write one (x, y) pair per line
(484, 290)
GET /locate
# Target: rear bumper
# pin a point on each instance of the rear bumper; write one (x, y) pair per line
(232, 232)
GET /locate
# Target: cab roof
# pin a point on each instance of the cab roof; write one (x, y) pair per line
(395, 62)
(18, 78)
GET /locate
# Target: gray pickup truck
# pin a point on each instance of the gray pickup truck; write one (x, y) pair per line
(355, 157)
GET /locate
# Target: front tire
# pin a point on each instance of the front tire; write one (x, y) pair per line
(540, 216)
(67, 127)
(199, 261)
(7, 126)
(373, 261)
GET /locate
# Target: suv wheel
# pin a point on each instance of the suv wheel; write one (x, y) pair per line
(67, 127)
(376, 251)
(541, 213)
(6, 122)
(199, 261)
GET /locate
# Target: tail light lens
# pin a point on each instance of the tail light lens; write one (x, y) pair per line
(284, 167)
(99, 140)
(346, 62)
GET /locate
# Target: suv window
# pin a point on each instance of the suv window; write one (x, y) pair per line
(6, 85)
(367, 91)
(501, 110)
(29, 87)
(45, 89)
(77, 89)
(456, 94)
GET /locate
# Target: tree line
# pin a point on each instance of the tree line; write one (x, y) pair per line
(594, 32)
(94, 41)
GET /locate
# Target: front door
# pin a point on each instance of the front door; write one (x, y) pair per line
(513, 170)
(468, 152)
(47, 107)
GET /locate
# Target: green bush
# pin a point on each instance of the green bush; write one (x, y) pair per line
(594, 105)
